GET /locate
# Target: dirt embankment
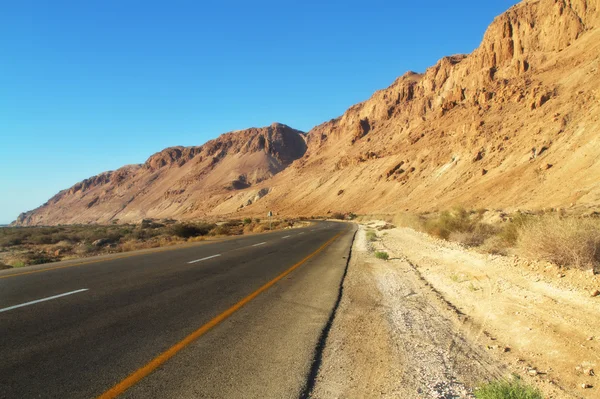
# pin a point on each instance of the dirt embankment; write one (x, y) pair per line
(436, 320)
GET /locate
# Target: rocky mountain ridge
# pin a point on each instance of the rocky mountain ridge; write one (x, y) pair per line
(513, 124)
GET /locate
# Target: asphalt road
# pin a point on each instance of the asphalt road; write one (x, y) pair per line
(198, 306)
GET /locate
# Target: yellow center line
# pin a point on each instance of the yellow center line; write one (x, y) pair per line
(144, 371)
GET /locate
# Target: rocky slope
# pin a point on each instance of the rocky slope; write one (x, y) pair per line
(178, 181)
(514, 125)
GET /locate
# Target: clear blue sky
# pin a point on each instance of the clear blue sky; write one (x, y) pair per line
(88, 86)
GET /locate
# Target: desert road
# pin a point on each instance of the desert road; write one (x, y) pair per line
(239, 318)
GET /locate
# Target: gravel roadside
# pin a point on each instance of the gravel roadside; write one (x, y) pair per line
(394, 336)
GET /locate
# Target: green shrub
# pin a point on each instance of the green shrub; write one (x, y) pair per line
(371, 235)
(507, 390)
(190, 230)
(247, 220)
(382, 255)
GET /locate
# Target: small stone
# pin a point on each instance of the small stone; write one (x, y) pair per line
(589, 371)
(506, 349)
(532, 372)
(594, 293)
(590, 338)
(585, 386)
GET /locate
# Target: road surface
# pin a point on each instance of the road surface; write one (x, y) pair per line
(237, 318)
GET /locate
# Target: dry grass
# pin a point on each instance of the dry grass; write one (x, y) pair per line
(22, 246)
(568, 242)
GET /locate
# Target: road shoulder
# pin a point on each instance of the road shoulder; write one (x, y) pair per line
(394, 337)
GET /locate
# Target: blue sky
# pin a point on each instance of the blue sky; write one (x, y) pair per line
(89, 86)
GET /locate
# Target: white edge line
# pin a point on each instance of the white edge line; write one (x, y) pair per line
(260, 243)
(42, 300)
(286, 237)
(208, 257)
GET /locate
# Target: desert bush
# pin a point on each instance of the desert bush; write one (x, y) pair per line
(447, 222)
(569, 242)
(411, 220)
(495, 245)
(338, 215)
(459, 225)
(191, 230)
(247, 220)
(510, 231)
(259, 228)
(476, 236)
(221, 230)
(382, 255)
(507, 390)
(371, 235)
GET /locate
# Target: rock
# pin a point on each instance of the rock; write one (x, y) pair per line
(588, 371)
(58, 252)
(532, 372)
(595, 293)
(101, 242)
(585, 386)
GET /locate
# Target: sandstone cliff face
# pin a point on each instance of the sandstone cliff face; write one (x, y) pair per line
(514, 124)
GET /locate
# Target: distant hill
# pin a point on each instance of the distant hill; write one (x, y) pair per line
(515, 124)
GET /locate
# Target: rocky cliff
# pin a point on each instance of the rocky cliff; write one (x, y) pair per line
(178, 181)
(515, 124)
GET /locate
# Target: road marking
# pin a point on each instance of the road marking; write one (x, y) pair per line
(158, 361)
(260, 243)
(300, 233)
(41, 300)
(135, 253)
(286, 237)
(208, 257)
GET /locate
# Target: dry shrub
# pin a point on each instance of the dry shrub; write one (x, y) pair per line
(460, 225)
(496, 245)
(259, 228)
(338, 215)
(411, 220)
(569, 242)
